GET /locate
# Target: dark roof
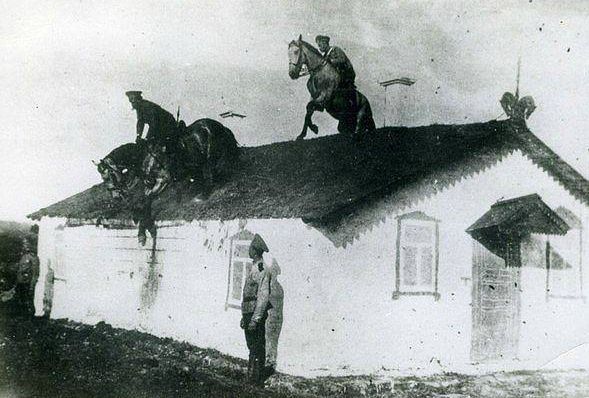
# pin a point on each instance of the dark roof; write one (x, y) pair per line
(525, 214)
(325, 180)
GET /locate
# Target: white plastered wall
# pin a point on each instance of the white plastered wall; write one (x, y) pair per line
(339, 312)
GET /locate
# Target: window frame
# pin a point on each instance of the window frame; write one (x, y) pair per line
(243, 238)
(417, 218)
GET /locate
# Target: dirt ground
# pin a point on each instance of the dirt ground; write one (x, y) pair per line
(53, 358)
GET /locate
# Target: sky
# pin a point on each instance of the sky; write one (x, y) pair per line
(67, 65)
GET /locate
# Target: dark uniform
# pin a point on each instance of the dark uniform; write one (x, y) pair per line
(163, 128)
(254, 309)
(339, 60)
(162, 124)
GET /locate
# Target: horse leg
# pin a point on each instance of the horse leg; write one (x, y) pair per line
(207, 183)
(308, 121)
(314, 107)
(364, 120)
(344, 127)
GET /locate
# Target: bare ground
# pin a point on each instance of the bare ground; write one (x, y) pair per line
(53, 358)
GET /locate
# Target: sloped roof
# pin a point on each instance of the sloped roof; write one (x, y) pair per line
(527, 214)
(323, 180)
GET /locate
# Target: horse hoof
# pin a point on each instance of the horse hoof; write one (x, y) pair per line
(314, 128)
(300, 138)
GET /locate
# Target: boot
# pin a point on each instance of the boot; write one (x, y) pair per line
(258, 377)
(250, 369)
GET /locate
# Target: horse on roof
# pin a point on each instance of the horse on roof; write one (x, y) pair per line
(349, 106)
(205, 153)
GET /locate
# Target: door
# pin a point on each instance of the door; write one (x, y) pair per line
(495, 306)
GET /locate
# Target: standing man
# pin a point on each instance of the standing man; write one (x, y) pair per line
(254, 309)
(274, 320)
(26, 278)
(340, 61)
(162, 124)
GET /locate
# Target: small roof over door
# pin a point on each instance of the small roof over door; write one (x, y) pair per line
(522, 215)
(507, 222)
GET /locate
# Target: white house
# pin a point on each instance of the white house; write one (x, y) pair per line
(450, 245)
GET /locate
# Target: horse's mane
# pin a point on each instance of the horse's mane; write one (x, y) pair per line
(312, 48)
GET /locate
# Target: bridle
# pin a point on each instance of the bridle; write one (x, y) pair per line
(299, 63)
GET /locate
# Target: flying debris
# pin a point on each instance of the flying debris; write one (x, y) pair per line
(406, 81)
(228, 114)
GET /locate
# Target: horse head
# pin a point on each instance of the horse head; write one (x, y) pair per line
(109, 178)
(295, 58)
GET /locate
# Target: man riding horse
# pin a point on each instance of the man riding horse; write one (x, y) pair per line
(332, 88)
(163, 131)
(162, 124)
(340, 61)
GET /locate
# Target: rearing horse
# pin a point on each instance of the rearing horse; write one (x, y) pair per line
(349, 106)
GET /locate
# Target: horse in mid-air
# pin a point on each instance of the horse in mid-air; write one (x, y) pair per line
(349, 106)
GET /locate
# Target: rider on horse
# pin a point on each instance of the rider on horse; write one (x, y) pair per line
(338, 58)
(164, 130)
(340, 61)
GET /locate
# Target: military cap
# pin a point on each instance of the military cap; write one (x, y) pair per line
(258, 246)
(319, 38)
(133, 94)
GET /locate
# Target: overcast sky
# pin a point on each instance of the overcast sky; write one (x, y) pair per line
(67, 65)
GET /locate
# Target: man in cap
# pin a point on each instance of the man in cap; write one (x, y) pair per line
(338, 58)
(254, 308)
(162, 124)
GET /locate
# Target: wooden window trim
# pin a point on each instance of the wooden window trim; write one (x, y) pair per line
(229, 301)
(398, 292)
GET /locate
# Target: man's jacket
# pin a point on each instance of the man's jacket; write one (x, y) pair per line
(336, 57)
(256, 293)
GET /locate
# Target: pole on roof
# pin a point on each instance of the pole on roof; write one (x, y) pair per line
(519, 64)
(384, 122)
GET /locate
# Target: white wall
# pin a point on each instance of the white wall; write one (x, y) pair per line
(339, 311)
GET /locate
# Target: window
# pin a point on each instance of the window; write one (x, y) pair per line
(416, 268)
(239, 266)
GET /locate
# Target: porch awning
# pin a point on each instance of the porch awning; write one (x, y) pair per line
(502, 228)
(520, 216)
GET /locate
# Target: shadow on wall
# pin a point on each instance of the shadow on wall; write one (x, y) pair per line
(151, 284)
